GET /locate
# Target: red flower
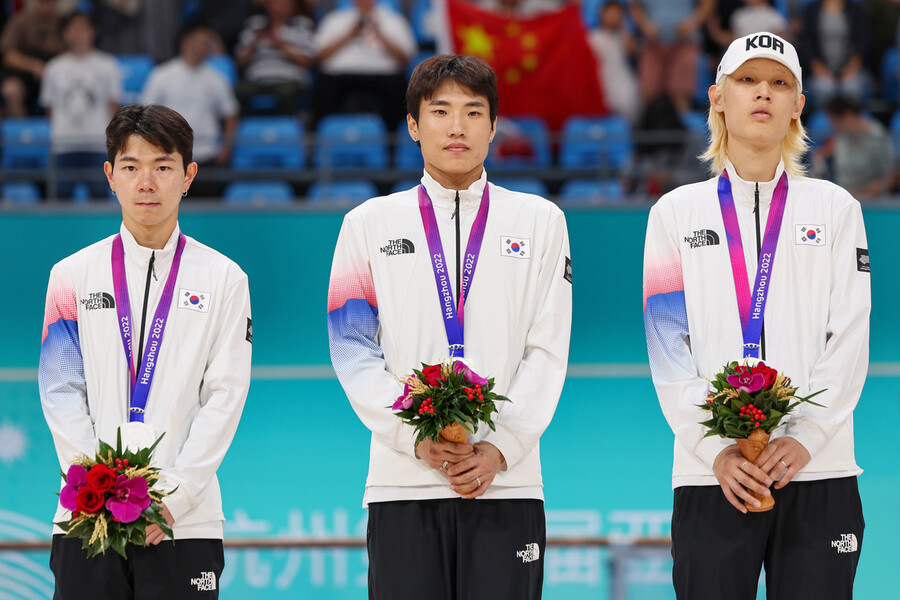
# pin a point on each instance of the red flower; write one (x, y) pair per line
(101, 478)
(768, 372)
(89, 500)
(433, 375)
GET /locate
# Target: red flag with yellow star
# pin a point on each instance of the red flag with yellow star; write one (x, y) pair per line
(544, 64)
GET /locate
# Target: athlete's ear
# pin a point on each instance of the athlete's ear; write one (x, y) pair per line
(715, 98)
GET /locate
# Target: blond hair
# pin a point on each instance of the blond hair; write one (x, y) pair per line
(793, 147)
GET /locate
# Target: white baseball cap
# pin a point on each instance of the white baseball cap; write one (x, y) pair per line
(760, 45)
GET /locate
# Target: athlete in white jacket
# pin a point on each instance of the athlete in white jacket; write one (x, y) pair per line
(385, 318)
(201, 373)
(816, 331)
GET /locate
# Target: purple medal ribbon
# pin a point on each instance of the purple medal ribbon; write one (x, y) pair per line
(453, 316)
(140, 387)
(752, 307)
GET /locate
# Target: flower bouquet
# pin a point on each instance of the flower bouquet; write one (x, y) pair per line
(447, 400)
(747, 403)
(111, 498)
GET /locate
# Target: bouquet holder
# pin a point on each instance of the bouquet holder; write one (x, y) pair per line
(751, 447)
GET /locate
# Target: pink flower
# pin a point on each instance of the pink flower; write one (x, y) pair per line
(468, 374)
(129, 499)
(405, 400)
(749, 382)
(76, 479)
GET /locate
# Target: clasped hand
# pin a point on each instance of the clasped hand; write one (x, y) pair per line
(465, 465)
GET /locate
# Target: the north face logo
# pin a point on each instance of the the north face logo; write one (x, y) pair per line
(399, 246)
(765, 41)
(701, 238)
(98, 300)
(531, 553)
(846, 544)
(206, 582)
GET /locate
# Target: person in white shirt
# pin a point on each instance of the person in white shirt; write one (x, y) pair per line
(194, 367)
(703, 248)
(428, 536)
(203, 96)
(80, 91)
(363, 51)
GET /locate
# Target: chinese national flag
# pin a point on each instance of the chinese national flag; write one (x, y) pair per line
(544, 64)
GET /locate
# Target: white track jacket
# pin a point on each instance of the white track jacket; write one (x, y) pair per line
(202, 374)
(816, 320)
(385, 318)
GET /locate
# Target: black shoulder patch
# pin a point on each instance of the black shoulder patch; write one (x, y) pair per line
(862, 260)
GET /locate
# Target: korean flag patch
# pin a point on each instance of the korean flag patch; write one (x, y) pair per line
(810, 235)
(515, 247)
(193, 300)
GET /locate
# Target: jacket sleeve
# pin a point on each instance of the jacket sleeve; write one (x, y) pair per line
(537, 384)
(678, 385)
(842, 367)
(61, 373)
(223, 392)
(353, 336)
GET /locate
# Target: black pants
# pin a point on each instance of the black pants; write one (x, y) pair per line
(810, 543)
(456, 549)
(185, 569)
(381, 94)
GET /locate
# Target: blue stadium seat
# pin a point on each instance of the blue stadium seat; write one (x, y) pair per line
(424, 21)
(25, 143)
(705, 78)
(591, 191)
(526, 185)
(135, 69)
(258, 192)
(818, 127)
(695, 122)
(419, 57)
(407, 154)
(596, 142)
(895, 133)
(890, 74)
(405, 184)
(224, 64)
(392, 4)
(268, 143)
(590, 12)
(20, 192)
(351, 141)
(521, 142)
(346, 191)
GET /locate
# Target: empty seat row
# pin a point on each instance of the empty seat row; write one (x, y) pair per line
(362, 141)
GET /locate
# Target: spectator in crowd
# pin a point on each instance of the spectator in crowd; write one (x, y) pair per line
(860, 151)
(276, 54)
(835, 43)
(227, 18)
(29, 40)
(614, 48)
(671, 44)
(80, 91)
(202, 95)
(363, 52)
(717, 35)
(758, 15)
(139, 27)
(520, 8)
(882, 19)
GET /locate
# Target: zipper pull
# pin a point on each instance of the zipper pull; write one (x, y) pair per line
(152, 269)
(756, 199)
(456, 210)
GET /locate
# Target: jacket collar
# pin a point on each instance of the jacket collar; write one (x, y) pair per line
(744, 191)
(469, 199)
(140, 254)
